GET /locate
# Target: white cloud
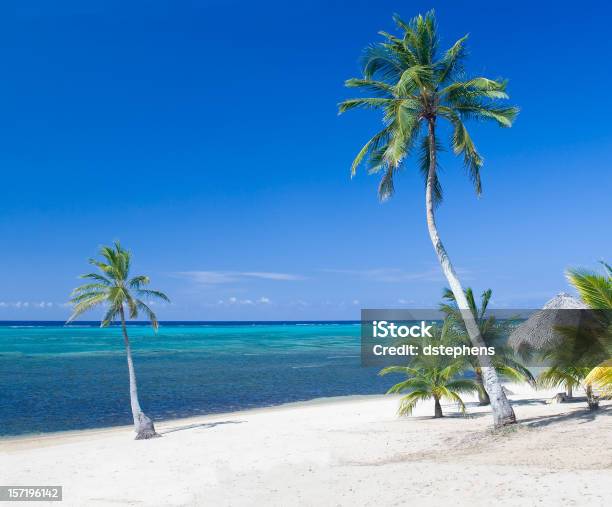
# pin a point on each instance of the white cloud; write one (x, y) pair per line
(223, 277)
(356, 302)
(235, 301)
(392, 275)
(26, 304)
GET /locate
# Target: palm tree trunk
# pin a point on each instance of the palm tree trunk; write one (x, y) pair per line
(592, 401)
(503, 414)
(569, 391)
(438, 409)
(143, 426)
(483, 397)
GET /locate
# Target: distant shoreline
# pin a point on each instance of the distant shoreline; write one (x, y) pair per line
(176, 322)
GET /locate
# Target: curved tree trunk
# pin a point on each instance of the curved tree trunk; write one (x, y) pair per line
(438, 409)
(483, 397)
(143, 426)
(502, 410)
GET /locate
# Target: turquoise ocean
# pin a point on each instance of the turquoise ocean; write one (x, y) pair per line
(55, 377)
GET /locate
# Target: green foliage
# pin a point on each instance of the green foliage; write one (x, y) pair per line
(596, 292)
(430, 376)
(594, 289)
(493, 332)
(563, 376)
(114, 289)
(413, 85)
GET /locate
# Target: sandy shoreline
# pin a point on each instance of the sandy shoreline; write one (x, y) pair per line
(349, 451)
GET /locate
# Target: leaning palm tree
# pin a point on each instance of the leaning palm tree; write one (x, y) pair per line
(119, 294)
(415, 88)
(432, 376)
(494, 333)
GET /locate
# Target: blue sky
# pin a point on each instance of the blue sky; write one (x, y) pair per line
(204, 136)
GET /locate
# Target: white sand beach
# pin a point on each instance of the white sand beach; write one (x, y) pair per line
(342, 451)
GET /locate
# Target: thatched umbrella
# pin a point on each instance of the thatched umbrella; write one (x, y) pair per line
(539, 330)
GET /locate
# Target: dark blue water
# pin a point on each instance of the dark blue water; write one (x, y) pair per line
(55, 378)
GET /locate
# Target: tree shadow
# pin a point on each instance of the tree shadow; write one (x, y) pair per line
(529, 401)
(450, 415)
(199, 425)
(583, 416)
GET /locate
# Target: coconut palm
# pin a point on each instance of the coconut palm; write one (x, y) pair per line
(416, 88)
(569, 377)
(430, 376)
(113, 288)
(494, 333)
(596, 291)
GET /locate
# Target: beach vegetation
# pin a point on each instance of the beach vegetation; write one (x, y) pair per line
(437, 377)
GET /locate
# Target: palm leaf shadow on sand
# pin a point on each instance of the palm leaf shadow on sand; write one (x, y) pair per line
(199, 425)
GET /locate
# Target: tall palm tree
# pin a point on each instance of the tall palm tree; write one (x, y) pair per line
(414, 87)
(494, 333)
(118, 293)
(431, 376)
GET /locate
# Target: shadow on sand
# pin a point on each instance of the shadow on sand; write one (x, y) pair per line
(201, 425)
(583, 416)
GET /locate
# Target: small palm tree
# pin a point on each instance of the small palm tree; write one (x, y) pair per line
(114, 289)
(570, 377)
(429, 376)
(423, 384)
(494, 333)
(416, 89)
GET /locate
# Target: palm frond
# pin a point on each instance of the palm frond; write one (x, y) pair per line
(451, 61)
(601, 376)
(85, 305)
(97, 277)
(463, 145)
(595, 290)
(148, 312)
(384, 90)
(408, 402)
(503, 116)
(382, 61)
(153, 294)
(363, 103)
